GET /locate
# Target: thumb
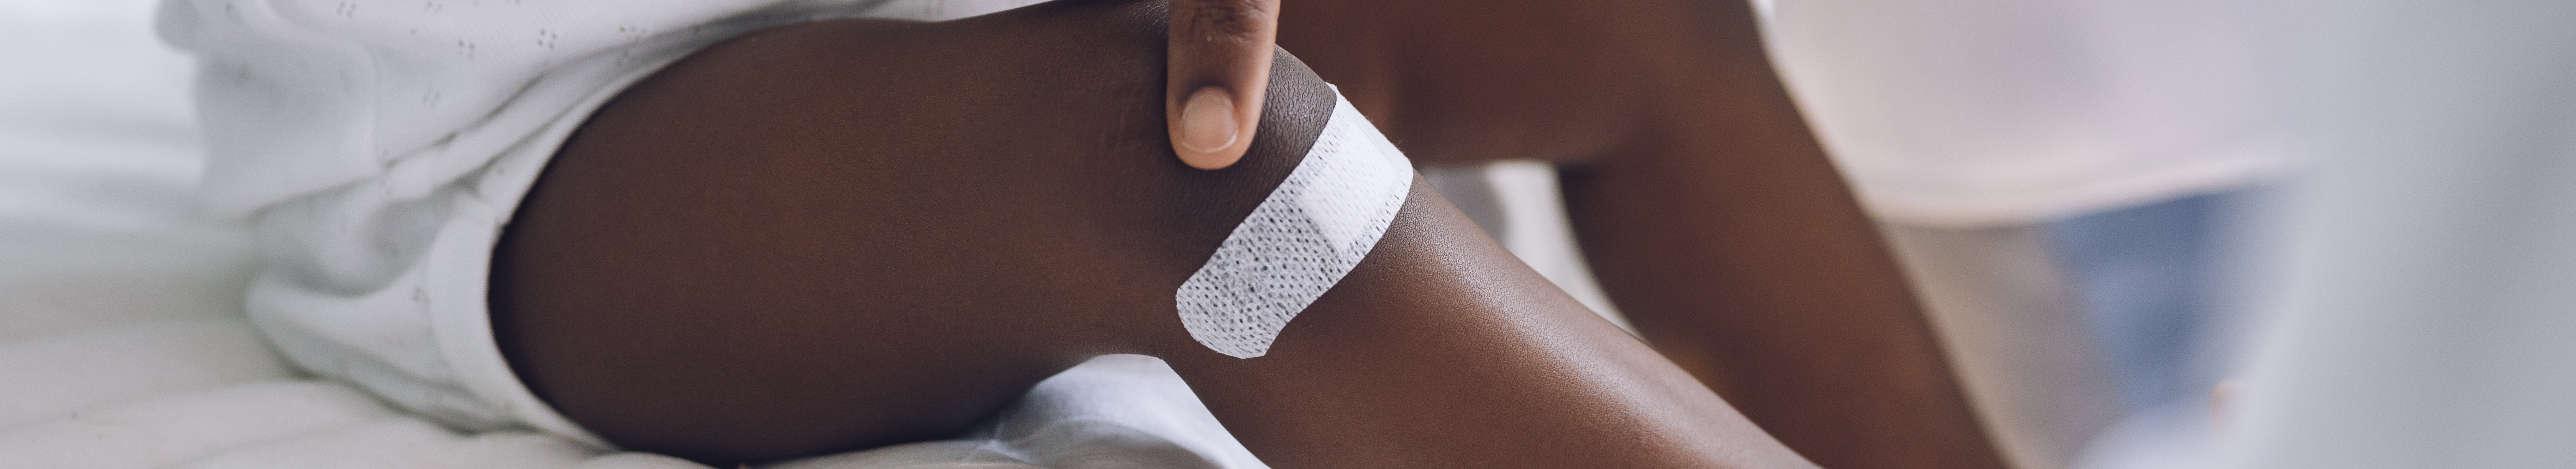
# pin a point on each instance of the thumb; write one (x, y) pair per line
(1220, 71)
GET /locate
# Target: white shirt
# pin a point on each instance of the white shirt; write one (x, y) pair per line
(377, 148)
(1985, 112)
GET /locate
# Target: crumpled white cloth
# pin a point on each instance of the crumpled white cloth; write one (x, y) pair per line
(378, 147)
(206, 394)
(123, 343)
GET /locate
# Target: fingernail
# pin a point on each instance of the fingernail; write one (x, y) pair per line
(1207, 121)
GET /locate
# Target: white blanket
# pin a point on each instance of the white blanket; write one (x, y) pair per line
(122, 343)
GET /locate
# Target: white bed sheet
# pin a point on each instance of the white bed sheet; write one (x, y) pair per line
(123, 345)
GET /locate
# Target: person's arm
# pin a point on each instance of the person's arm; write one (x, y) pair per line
(847, 234)
(1706, 207)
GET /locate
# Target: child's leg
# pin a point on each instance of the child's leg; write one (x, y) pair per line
(847, 234)
(1705, 206)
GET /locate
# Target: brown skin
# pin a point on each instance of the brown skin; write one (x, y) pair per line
(1704, 204)
(872, 241)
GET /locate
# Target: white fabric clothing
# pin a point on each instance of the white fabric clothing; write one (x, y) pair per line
(1999, 303)
(2419, 294)
(123, 343)
(1991, 112)
(378, 147)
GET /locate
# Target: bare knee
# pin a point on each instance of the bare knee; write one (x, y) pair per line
(848, 234)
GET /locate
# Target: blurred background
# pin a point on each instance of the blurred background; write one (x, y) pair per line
(2353, 213)
(2359, 214)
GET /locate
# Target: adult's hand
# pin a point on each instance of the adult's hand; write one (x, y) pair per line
(1220, 61)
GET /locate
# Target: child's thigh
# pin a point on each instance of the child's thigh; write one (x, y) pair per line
(847, 234)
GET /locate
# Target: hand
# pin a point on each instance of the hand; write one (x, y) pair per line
(874, 232)
(1220, 61)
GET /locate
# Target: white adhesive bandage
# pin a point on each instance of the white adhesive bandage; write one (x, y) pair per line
(1302, 239)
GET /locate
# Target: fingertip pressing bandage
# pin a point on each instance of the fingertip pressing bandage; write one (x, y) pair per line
(1302, 239)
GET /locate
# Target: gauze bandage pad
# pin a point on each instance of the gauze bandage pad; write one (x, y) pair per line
(1302, 239)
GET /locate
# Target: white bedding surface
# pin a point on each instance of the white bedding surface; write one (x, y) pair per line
(122, 342)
